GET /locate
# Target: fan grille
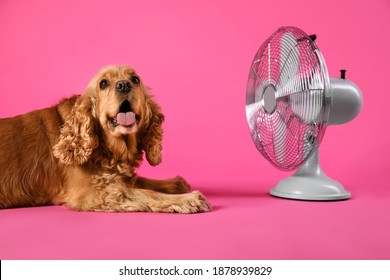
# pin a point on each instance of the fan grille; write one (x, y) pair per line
(287, 127)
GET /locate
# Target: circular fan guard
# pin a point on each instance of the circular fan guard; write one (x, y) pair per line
(288, 98)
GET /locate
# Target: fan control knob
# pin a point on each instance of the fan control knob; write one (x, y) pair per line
(342, 73)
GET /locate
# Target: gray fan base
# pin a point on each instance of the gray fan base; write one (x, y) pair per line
(310, 183)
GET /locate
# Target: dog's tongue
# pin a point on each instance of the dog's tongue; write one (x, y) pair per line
(125, 119)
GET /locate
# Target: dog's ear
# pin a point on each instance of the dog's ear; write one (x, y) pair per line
(77, 139)
(152, 136)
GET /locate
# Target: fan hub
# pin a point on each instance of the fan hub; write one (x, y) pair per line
(269, 99)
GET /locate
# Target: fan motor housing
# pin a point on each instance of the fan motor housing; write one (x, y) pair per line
(346, 101)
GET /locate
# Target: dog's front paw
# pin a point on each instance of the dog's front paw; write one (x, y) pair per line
(194, 202)
(200, 202)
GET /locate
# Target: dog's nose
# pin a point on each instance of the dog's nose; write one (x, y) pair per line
(123, 86)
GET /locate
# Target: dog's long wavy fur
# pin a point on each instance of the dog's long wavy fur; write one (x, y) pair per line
(74, 154)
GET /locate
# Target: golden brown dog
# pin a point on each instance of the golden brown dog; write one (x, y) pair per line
(84, 152)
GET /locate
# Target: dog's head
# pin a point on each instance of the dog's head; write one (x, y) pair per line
(120, 100)
(116, 108)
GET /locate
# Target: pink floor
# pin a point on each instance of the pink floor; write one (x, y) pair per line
(245, 224)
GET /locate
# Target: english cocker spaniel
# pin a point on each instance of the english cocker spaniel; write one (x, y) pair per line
(84, 152)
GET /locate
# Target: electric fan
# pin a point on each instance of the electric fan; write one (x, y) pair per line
(290, 100)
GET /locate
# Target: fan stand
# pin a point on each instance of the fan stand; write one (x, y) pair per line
(310, 183)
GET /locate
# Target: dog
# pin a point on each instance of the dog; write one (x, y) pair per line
(84, 152)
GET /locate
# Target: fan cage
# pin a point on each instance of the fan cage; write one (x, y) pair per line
(290, 62)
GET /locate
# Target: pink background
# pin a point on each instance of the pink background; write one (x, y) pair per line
(196, 55)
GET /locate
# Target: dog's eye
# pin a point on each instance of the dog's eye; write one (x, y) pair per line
(135, 80)
(103, 84)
